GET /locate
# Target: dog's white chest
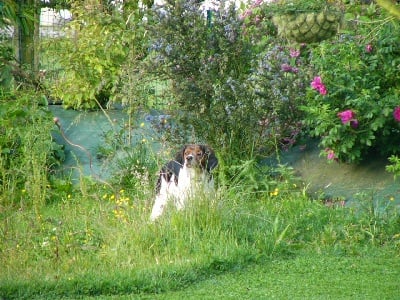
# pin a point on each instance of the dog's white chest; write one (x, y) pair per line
(187, 180)
(189, 183)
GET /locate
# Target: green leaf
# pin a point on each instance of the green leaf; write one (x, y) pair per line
(99, 68)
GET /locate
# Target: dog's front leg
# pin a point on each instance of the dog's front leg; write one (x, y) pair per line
(158, 207)
(180, 201)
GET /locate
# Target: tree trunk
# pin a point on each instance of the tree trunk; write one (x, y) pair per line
(26, 35)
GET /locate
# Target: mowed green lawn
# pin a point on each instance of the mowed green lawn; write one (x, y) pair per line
(308, 277)
(373, 276)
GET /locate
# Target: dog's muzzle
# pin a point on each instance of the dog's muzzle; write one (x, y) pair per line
(190, 161)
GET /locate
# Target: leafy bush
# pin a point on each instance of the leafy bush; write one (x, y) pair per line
(27, 151)
(294, 6)
(6, 53)
(278, 85)
(207, 65)
(92, 55)
(353, 103)
(394, 166)
(11, 15)
(135, 168)
(224, 93)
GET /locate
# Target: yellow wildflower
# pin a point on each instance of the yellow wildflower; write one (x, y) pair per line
(275, 192)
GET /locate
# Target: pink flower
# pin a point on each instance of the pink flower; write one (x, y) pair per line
(330, 154)
(246, 14)
(322, 90)
(368, 48)
(317, 84)
(294, 53)
(396, 114)
(289, 68)
(347, 116)
(286, 68)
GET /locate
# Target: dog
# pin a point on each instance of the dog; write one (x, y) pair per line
(180, 178)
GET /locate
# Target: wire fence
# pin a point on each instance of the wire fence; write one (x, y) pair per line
(52, 25)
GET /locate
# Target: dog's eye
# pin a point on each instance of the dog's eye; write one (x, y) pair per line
(199, 153)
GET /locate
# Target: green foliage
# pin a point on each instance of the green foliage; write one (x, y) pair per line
(95, 239)
(360, 74)
(10, 16)
(6, 54)
(92, 55)
(394, 166)
(27, 151)
(206, 65)
(135, 168)
(390, 6)
(216, 77)
(295, 6)
(86, 243)
(92, 237)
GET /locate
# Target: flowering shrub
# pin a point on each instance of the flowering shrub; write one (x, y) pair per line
(227, 91)
(353, 103)
(206, 64)
(278, 84)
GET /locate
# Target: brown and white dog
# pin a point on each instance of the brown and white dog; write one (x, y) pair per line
(180, 178)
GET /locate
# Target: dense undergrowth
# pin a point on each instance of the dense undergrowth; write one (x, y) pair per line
(96, 239)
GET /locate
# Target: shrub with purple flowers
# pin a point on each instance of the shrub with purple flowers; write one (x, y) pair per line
(226, 91)
(353, 102)
(205, 63)
(278, 83)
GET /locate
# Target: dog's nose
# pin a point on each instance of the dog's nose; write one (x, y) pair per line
(189, 157)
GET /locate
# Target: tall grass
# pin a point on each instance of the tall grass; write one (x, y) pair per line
(103, 243)
(26, 150)
(96, 239)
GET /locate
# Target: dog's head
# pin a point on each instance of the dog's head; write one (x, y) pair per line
(197, 156)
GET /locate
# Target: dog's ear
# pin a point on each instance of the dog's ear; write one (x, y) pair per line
(171, 168)
(212, 161)
(179, 156)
